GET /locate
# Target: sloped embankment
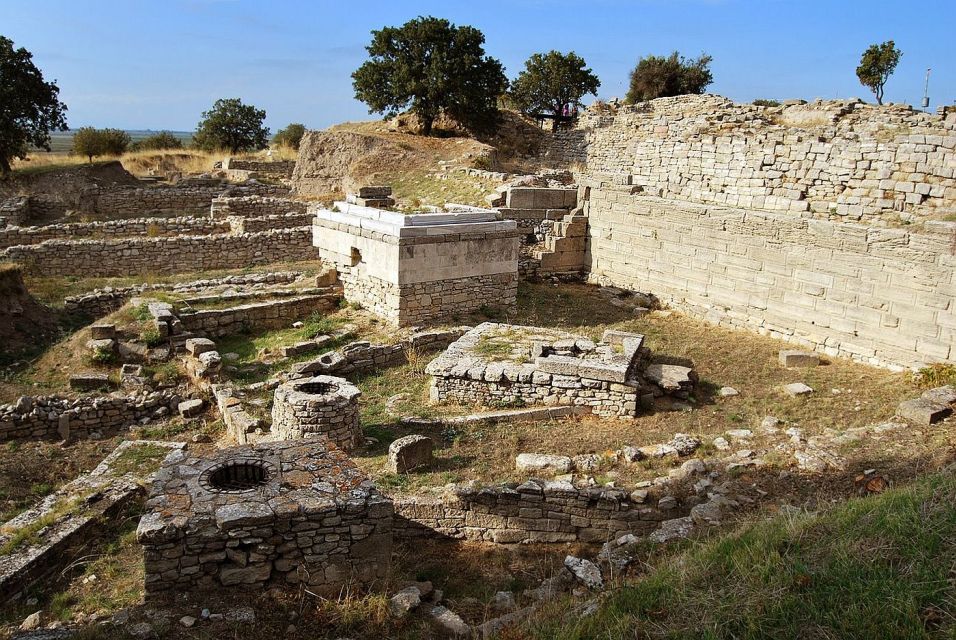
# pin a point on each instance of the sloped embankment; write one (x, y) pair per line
(24, 323)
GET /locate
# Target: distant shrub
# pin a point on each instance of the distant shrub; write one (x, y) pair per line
(674, 75)
(762, 102)
(158, 142)
(290, 136)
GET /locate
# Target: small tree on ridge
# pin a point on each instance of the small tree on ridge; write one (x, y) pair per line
(290, 136)
(430, 66)
(877, 65)
(552, 80)
(660, 77)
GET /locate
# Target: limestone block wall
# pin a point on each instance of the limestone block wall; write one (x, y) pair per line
(254, 206)
(241, 224)
(884, 296)
(215, 323)
(162, 255)
(146, 227)
(835, 159)
(536, 511)
(15, 210)
(282, 168)
(44, 417)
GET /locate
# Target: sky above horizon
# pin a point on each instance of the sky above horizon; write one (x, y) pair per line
(132, 64)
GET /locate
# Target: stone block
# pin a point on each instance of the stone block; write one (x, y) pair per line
(540, 462)
(922, 411)
(410, 452)
(197, 346)
(89, 381)
(191, 408)
(797, 389)
(103, 331)
(791, 358)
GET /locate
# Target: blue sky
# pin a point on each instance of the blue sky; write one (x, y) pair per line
(158, 64)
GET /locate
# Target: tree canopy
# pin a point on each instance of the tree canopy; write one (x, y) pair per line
(877, 65)
(158, 141)
(290, 136)
(660, 77)
(91, 142)
(430, 66)
(233, 126)
(29, 106)
(552, 80)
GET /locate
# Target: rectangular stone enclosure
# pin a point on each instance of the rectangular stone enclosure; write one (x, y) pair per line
(277, 512)
(413, 268)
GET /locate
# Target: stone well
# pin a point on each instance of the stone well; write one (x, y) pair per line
(318, 406)
(274, 513)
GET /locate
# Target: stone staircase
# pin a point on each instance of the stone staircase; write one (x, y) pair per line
(564, 247)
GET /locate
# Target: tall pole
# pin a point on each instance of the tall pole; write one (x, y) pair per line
(926, 91)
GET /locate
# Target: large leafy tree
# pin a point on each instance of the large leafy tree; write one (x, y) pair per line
(430, 66)
(91, 142)
(660, 77)
(552, 80)
(877, 65)
(232, 125)
(29, 106)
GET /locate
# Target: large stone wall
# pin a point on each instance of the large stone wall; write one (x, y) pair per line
(254, 206)
(883, 296)
(836, 159)
(215, 323)
(181, 254)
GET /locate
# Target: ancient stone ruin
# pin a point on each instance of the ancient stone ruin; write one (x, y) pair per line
(317, 407)
(281, 512)
(413, 268)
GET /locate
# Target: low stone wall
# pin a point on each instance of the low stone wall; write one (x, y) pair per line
(100, 302)
(98, 258)
(15, 210)
(883, 296)
(214, 323)
(45, 417)
(278, 221)
(536, 511)
(281, 168)
(146, 227)
(254, 206)
(192, 199)
(363, 357)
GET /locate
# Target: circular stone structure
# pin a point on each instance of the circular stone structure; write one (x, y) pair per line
(316, 407)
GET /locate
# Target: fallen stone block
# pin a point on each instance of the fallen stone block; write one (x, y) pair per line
(791, 358)
(89, 381)
(797, 389)
(103, 331)
(671, 377)
(922, 411)
(538, 462)
(197, 346)
(190, 408)
(585, 572)
(410, 452)
(942, 395)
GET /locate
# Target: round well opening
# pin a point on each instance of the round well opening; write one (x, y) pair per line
(316, 388)
(241, 475)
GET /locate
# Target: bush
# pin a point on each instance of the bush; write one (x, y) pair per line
(158, 142)
(762, 102)
(660, 77)
(291, 136)
(150, 336)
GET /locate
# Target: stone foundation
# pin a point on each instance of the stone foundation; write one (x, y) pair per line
(282, 513)
(215, 323)
(317, 407)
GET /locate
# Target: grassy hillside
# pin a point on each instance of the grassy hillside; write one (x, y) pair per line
(876, 567)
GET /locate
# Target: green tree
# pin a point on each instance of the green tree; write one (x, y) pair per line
(290, 136)
(430, 66)
(551, 80)
(877, 65)
(232, 125)
(158, 142)
(91, 142)
(660, 77)
(29, 106)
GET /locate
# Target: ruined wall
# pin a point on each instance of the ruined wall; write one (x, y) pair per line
(878, 295)
(534, 512)
(214, 323)
(147, 227)
(279, 221)
(162, 255)
(43, 417)
(835, 159)
(254, 206)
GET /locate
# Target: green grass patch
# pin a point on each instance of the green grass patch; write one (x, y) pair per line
(876, 567)
(29, 535)
(139, 460)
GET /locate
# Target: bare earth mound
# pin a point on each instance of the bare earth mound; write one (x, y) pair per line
(24, 322)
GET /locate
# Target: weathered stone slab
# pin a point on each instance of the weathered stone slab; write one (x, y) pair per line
(792, 358)
(410, 452)
(922, 411)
